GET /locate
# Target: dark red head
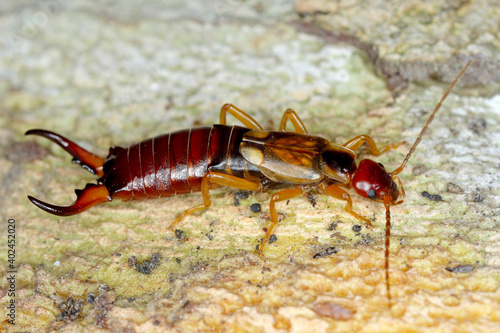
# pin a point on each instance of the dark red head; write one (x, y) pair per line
(372, 181)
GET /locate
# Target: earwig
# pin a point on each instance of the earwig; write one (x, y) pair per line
(246, 158)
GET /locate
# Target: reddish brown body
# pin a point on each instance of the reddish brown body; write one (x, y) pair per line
(175, 163)
(245, 158)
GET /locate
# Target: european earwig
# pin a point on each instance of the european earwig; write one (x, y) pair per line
(247, 158)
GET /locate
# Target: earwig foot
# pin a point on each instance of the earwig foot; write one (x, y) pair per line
(260, 248)
(368, 223)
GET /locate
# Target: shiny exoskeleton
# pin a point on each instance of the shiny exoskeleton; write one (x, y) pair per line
(248, 158)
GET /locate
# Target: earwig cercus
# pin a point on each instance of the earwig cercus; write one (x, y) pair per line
(248, 158)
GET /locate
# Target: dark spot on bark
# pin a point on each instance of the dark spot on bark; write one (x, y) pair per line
(477, 126)
(326, 252)
(132, 261)
(365, 240)
(70, 309)
(460, 269)
(255, 207)
(179, 234)
(477, 197)
(240, 195)
(273, 239)
(332, 226)
(433, 197)
(147, 266)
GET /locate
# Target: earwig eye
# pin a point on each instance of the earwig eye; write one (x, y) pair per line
(381, 165)
(372, 194)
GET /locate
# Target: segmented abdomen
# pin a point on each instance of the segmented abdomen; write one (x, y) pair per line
(175, 163)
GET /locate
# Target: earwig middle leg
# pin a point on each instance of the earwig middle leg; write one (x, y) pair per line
(294, 119)
(277, 197)
(338, 193)
(356, 142)
(238, 114)
(220, 179)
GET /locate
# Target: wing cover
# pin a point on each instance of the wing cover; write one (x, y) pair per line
(284, 156)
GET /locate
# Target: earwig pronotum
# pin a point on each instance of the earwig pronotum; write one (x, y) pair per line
(248, 158)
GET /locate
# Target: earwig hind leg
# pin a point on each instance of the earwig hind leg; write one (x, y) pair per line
(338, 193)
(294, 119)
(220, 179)
(277, 197)
(356, 142)
(238, 114)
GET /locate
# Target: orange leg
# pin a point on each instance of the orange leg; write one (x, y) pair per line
(355, 143)
(238, 114)
(280, 196)
(220, 179)
(294, 119)
(338, 193)
(401, 190)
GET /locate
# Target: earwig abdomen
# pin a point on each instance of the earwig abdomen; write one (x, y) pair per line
(175, 163)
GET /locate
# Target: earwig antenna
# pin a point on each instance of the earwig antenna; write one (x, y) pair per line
(431, 117)
(387, 204)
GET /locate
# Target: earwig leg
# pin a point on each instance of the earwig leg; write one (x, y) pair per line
(207, 202)
(220, 179)
(355, 143)
(90, 196)
(401, 190)
(294, 119)
(338, 193)
(238, 114)
(86, 159)
(280, 196)
(232, 181)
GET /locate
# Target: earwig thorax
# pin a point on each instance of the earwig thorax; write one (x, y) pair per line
(337, 163)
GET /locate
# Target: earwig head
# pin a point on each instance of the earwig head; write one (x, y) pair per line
(372, 181)
(337, 162)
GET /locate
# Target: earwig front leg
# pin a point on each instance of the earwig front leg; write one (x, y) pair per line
(220, 179)
(238, 114)
(401, 190)
(355, 143)
(277, 197)
(338, 193)
(294, 119)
